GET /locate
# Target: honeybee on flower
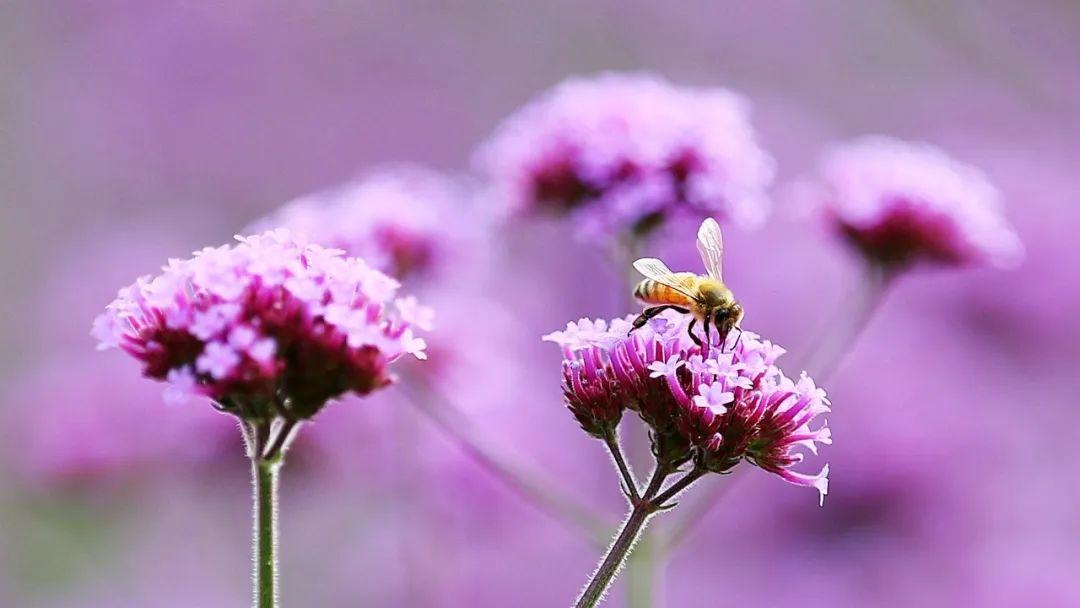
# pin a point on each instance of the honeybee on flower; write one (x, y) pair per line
(706, 297)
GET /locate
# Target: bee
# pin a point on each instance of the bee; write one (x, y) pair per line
(704, 296)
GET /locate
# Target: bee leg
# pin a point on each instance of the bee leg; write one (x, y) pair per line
(708, 333)
(649, 313)
(734, 346)
(644, 317)
(690, 332)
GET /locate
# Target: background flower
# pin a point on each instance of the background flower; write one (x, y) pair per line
(901, 203)
(405, 220)
(624, 152)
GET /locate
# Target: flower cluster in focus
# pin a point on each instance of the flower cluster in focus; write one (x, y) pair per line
(624, 152)
(717, 407)
(901, 203)
(267, 323)
(404, 220)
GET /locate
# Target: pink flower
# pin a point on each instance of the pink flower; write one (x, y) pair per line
(901, 203)
(403, 220)
(717, 408)
(101, 424)
(624, 152)
(269, 320)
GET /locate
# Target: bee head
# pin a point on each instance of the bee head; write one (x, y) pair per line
(727, 317)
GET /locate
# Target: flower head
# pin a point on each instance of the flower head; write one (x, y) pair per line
(626, 151)
(900, 203)
(403, 220)
(270, 320)
(718, 407)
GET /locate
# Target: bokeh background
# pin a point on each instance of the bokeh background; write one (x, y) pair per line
(133, 131)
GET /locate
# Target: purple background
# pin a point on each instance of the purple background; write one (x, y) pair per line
(134, 131)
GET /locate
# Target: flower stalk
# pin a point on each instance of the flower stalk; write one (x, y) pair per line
(266, 444)
(611, 439)
(655, 499)
(265, 536)
(706, 409)
(620, 548)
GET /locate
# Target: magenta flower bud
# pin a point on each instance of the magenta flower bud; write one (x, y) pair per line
(719, 408)
(624, 152)
(901, 203)
(592, 396)
(271, 322)
(593, 381)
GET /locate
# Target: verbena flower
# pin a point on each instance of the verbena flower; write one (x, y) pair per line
(626, 151)
(900, 203)
(269, 322)
(404, 220)
(719, 407)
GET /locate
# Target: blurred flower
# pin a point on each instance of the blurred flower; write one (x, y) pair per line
(624, 152)
(719, 406)
(268, 322)
(901, 203)
(404, 220)
(101, 422)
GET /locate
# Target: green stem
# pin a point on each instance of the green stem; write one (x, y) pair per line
(624, 542)
(643, 563)
(673, 490)
(265, 477)
(605, 574)
(611, 439)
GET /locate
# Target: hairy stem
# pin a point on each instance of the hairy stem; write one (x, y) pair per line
(265, 477)
(611, 439)
(674, 489)
(695, 512)
(624, 541)
(616, 555)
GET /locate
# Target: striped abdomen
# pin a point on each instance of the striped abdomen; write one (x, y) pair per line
(652, 292)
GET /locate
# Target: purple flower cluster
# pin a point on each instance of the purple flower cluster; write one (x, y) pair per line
(624, 152)
(901, 203)
(404, 220)
(717, 407)
(269, 322)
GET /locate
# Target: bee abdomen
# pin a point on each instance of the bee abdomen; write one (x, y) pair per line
(653, 292)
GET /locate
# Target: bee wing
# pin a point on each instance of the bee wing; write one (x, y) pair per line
(710, 244)
(658, 271)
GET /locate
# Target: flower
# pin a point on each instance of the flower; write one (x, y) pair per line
(718, 407)
(99, 426)
(901, 203)
(404, 220)
(625, 152)
(271, 321)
